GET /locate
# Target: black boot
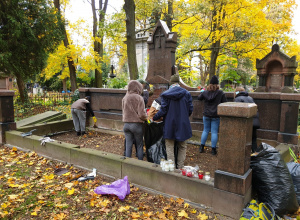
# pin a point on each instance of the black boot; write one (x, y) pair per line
(201, 148)
(83, 133)
(78, 133)
(213, 151)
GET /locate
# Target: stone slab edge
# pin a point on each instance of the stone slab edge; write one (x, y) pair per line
(37, 118)
(142, 173)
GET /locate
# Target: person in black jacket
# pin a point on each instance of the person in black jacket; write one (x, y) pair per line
(212, 98)
(242, 96)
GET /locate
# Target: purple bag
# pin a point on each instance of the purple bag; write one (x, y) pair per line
(120, 188)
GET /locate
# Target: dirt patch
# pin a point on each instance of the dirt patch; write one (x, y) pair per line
(115, 144)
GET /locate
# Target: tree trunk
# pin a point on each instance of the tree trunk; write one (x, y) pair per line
(70, 59)
(21, 87)
(216, 43)
(213, 58)
(170, 14)
(64, 81)
(129, 8)
(98, 46)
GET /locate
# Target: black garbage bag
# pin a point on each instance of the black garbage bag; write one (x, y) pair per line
(271, 180)
(294, 169)
(155, 143)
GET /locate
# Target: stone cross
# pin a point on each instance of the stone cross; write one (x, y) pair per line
(159, 35)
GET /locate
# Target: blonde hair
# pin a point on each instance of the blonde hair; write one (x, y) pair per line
(213, 87)
(238, 89)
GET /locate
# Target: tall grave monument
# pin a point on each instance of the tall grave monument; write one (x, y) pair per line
(162, 47)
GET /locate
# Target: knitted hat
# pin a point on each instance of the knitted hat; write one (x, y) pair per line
(174, 79)
(214, 80)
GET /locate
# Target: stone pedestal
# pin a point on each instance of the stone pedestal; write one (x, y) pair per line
(233, 176)
(7, 118)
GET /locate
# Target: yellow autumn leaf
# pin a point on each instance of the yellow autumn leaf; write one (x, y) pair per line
(202, 216)
(67, 174)
(61, 205)
(71, 191)
(193, 211)
(14, 149)
(104, 203)
(186, 205)
(31, 163)
(50, 177)
(97, 145)
(12, 197)
(182, 213)
(135, 215)
(13, 185)
(179, 201)
(123, 208)
(60, 216)
(33, 213)
(69, 185)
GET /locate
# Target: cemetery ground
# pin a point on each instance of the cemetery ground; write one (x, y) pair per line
(31, 189)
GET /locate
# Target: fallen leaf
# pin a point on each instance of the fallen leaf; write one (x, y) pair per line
(123, 208)
(69, 185)
(202, 216)
(179, 201)
(135, 215)
(33, 213)
(71, 191)
(182, 213)
(186, 205)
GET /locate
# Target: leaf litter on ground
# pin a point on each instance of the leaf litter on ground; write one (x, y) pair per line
(29, 189)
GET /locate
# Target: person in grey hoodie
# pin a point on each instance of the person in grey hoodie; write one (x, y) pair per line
(212, 98)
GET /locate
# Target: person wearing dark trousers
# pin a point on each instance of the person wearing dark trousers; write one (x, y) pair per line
(78, 110)
(242, 96)
(134, 116)
(212, 97)
(176, 108)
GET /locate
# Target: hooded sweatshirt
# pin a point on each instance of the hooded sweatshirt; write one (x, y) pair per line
(133, 106)
(176, 107)
(211, 101)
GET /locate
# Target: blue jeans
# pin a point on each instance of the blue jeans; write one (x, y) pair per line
(210, 125)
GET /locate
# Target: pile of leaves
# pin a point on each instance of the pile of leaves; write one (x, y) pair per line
(30, 189)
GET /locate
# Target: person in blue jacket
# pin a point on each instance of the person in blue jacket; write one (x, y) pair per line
(212, 98)
(176, 107)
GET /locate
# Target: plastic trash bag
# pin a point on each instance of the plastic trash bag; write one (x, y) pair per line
(155, 143)
(272, 181)
(294, 169)
(120, 188)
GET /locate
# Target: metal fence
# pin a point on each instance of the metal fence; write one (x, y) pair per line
(37, 104)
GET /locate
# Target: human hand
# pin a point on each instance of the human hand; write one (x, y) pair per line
(202, 90)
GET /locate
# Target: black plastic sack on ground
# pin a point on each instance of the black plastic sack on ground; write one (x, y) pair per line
(272, 181)
(294, 169)
(155, 143)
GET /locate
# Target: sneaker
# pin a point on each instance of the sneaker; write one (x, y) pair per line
(214, 151)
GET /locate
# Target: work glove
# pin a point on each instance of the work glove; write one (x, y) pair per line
(202, 90)
(150, 121)
(94, 119)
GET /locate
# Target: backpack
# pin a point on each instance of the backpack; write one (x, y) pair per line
(255, 211)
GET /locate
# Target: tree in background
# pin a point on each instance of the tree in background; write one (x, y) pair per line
(29, 30)
(70, 59)
(129, 7)
(98, 35)
(243, 29)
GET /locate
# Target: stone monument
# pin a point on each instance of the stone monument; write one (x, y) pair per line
(276, 72)
(162, 46)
